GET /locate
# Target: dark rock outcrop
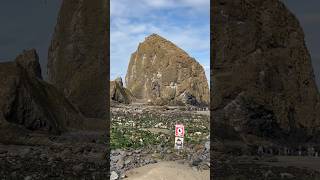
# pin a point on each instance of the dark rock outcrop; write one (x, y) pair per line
(118, 93)
(29, 60)
(263, 81)
(27, 102)
(159, 72)
(77, 63)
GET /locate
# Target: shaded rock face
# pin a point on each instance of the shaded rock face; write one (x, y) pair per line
(262, 73)
(29, 60)
(28, 102)
(161, 73)
(77, 60)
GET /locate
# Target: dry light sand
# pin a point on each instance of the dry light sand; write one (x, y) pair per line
(167, 171)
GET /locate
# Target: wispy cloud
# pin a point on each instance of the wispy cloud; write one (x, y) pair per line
(184, 22)
(136, 8)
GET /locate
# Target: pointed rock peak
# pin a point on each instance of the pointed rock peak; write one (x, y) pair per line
(155, 38)
(119, 80)
(29, 60)
(28, 55)
(156, 41)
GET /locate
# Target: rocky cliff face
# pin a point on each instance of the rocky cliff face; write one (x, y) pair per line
(118, 93)
(263, 82)
(77, 63)
(27, 102)
(161, 73)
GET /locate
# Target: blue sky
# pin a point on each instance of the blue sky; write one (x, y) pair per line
(184, 22)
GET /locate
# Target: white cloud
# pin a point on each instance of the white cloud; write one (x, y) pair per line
(177, 3)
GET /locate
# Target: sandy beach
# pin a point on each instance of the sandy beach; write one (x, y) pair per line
(167, 171)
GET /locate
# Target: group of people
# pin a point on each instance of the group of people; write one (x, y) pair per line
(192, 108)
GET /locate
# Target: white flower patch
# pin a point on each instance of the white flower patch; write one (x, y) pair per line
(158, 125)
(173, 85)
(159, 75)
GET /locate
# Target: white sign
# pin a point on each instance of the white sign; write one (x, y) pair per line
(178, 143)
(179, 132)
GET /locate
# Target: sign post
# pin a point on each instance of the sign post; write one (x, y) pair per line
(179, 134)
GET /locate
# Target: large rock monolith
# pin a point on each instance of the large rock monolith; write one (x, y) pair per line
(263, 81)
(159, 72)
(77, 63)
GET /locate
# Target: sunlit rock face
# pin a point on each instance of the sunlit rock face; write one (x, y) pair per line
(159, 72)
(77, 59)
(262, 73)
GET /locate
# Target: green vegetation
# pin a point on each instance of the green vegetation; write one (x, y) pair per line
(134, 131)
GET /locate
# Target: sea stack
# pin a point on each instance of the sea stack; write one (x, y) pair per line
(263, 81)
(161, 73)
(77, 60)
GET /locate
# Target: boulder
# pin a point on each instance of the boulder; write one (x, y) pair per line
(29, 103)
(77, 58)
(263, 81)
(159, 72)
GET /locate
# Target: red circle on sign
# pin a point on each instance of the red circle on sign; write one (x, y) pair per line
(179, 130)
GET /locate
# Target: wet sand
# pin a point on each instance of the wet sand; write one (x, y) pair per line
(297, 161)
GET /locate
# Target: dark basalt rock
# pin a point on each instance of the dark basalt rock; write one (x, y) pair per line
(77, 59)
(29, 103)
(29, 60)
(263, 81)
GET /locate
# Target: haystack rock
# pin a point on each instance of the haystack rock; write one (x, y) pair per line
(262, 74)
(77, 63)
(118, 93)
(29, 103)
(159, 72)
